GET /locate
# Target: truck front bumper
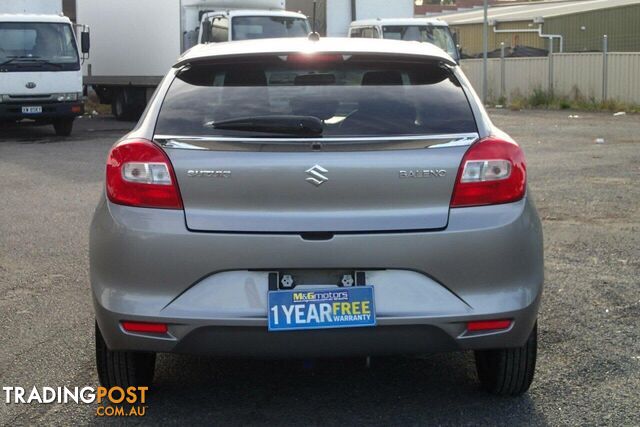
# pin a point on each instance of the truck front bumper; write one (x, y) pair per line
(13, 111)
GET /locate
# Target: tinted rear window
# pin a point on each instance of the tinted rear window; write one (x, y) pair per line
(351, 97)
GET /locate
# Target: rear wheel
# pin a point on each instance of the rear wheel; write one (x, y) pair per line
(63, 127)
(123, 368)
(509, 371)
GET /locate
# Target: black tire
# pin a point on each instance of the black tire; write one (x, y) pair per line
(509, 371)
(123, 110)
(63, 127)
(123, 368)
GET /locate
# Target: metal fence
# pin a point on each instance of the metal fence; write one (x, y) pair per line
(598, 76)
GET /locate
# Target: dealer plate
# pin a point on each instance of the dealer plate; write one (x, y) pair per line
(321, 308)
(32, 110)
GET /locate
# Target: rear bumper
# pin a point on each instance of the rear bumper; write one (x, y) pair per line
(392, 336)
(50, 111)
(211, 288)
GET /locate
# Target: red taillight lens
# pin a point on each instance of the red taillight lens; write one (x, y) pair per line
(493, 171)
(140, 174)
(488, 325)
(145, 327)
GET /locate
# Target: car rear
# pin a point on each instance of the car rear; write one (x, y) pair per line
(327, 174)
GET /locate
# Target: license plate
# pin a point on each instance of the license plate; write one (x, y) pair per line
(321, 308)
(31, 110)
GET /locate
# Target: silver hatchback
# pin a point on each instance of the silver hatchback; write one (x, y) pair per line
(299, 198)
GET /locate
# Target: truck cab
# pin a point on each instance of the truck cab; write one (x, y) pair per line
(40, 73)
(231, 25)
(429, 30)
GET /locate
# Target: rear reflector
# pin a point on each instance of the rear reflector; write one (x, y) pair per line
(154, 328)
(488, 325)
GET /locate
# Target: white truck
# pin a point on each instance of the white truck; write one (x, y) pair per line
(40, 70)
(427, 30)
(136, 42)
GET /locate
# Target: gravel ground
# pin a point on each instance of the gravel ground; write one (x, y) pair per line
(589, 360)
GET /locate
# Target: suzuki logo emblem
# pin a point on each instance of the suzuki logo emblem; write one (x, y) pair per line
(316, 176)
(30, 85)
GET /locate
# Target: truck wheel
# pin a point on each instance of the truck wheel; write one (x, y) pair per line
(123, 368)
(123, 110)
(63, 127)
(509, 371)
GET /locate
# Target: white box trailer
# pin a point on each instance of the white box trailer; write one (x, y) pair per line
(340, 13)
(35, 7)
(134, 43)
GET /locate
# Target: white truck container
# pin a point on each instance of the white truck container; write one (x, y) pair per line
(40, 73)
(33, 7)
(136, 42)
(340, 13)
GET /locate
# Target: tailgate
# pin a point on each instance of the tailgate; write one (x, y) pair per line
(248, 191)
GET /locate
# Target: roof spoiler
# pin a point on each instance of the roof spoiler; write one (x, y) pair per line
(203, 59)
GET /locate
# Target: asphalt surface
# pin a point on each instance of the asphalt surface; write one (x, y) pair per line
(589, 358)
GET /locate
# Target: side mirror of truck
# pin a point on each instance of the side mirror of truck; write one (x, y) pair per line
(206, 31)
(85, 42)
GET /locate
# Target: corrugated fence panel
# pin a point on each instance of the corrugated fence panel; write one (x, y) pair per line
(473, 70)
(624, 77)
(578, 71)
(523, 75)
(581, 71)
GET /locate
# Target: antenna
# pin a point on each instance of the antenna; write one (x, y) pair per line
(313, 35)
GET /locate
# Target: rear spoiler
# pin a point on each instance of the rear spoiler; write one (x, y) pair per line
(210, 58)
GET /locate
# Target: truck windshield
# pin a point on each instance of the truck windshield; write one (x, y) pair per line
(437, 35)
(268, 27)
(328, 98)
(37, 46)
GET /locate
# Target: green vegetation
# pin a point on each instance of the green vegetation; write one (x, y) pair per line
(544, 99)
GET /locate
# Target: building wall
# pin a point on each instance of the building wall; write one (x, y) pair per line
(621, 24)
(428, 7)
(470, 37)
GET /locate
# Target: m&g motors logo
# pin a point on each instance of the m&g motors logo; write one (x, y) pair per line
(320, 296)
(112, 401)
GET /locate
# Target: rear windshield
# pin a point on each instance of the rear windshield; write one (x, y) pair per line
(350, 97)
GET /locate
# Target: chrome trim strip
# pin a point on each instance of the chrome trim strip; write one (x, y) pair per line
(316, 144)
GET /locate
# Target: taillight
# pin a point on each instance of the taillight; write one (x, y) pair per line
(493, 171)
(140, 174)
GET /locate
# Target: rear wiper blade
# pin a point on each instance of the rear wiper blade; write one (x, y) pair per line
(277, 124)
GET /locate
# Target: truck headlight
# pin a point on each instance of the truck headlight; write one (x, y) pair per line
(64, 97)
